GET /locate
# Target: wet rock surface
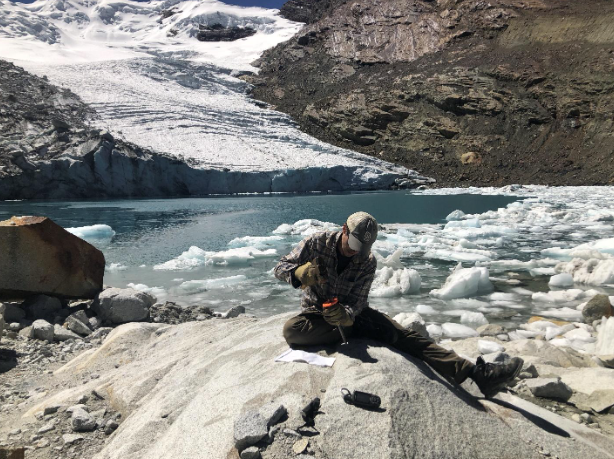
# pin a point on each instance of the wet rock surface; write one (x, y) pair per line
(468, 93)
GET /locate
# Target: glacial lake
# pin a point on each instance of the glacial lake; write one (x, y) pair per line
(220, 251)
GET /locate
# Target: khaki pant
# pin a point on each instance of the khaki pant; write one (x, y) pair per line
(310, 328)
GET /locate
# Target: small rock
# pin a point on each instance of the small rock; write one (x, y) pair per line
(46, 428)
(41, 329)
(586, 418)
(43, 443)
(94, 323)
(249, 429)
(300, 446)
(576, 417)
(51, 409)
(110, 427)
(69, 439)
(82, 421)
(601, 400)
(607, 360)
(291, 433)
(599, 306)
(62, 334)
(549, 388)
(119, 306)
(77, 326)
(250, 453)
(82, 400)
(272, 412)
(490, 330)
(101, 333)
(233, 312)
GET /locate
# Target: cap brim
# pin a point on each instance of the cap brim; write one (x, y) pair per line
(358, 246)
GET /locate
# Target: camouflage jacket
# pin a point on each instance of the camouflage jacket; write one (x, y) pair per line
(351, 287)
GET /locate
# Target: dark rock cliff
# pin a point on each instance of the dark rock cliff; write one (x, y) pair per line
(468, 92)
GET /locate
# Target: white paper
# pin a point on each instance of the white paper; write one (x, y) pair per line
(292, 355)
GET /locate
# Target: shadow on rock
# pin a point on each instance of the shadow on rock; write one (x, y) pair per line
(8, 360)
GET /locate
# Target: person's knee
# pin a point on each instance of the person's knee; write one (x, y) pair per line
(291, 332)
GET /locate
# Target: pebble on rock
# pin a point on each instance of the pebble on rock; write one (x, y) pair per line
(82, 421)
(250, 453)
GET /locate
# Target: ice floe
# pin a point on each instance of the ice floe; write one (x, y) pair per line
(464, 282)
(93, 232)
(390, 282)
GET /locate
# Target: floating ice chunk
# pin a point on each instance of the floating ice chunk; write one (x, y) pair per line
(474, 318)
(256, 242)
(501, 296)
(522, 291)
(605, 337)
(592, 271)
(561, 280)
(392, 261)
(434, 330)
(116, 267)
(465, 244)
(527, 333)
(306, 227)
(283, 229)
(405, 319)
(389, 282)
(458, 255)
(541, 325)
(472, 223)
(464, 282)
(452, 330)
(425, 309)
(158, 292)
(488, 347)
(455, 215)
(240, 255)
(429, 240)
(559, 296)
(190, 259)
(469, 303)
(483, 232)
(93, 233)
(197, 286)
(562, 313)
(601, 245)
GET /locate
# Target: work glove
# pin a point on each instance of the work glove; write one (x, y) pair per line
(311, 273)
(337, 316)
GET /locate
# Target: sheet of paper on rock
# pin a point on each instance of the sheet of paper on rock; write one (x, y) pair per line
(292, 355)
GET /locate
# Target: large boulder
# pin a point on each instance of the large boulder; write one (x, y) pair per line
(118, 306)
(13, 313)
(182, 388)
(39, 256)
(599, 306)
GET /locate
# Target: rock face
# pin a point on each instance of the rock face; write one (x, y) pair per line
(465, 92)
(41, 257)
(119, 306)
(180, 396)
(217, 32)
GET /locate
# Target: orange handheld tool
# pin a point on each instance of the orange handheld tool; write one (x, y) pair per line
(330, 303)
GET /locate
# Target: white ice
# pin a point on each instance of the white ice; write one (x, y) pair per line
(389, 282)
(197, 286)
(93, 232)
(489, 347)
(452, 330)
(464, 282)
(605, 337)
(561, 280)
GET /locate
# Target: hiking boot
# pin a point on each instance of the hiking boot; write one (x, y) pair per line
(492, 377)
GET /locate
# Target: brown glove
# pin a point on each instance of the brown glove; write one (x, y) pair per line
(337, 316)
(310, 274)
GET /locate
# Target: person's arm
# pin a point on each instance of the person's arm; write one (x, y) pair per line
(286, 266)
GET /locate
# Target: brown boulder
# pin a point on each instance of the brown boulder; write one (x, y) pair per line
(40, 256)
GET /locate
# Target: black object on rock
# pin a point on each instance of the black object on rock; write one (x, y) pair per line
(310, 411)
(361, 399)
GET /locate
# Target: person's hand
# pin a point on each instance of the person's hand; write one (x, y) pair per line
(337, 316)
(310, 274)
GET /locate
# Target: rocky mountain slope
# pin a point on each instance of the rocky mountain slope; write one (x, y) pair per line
(467, 92)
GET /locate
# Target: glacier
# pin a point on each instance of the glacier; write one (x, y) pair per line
(153, 84)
